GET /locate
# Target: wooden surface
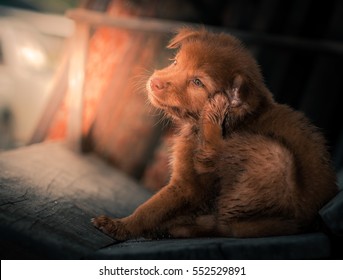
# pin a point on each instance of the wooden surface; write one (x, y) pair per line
(48, 195)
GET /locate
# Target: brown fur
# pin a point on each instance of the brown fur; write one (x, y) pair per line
(242, 164)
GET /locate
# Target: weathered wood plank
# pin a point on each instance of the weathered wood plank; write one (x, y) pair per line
(76, 77)
(48, 195)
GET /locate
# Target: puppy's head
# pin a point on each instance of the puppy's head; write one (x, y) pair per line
(206, 64)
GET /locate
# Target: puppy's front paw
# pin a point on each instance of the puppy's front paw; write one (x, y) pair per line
(215, 110)
(112, 227)
(212, 119)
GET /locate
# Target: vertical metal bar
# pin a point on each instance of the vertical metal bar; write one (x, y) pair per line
(76, 76)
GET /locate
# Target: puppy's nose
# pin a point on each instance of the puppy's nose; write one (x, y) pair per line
(157, 85)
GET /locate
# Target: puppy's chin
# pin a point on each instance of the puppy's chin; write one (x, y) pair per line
(171, 111)
(158, 104)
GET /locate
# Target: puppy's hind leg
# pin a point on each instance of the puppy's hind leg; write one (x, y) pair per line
(190, 227)
(272, 226)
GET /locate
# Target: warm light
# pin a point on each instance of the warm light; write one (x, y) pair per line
(32, 56)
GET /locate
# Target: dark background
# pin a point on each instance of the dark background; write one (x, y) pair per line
(299, 47)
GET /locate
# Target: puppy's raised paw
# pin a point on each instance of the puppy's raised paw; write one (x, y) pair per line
(112, 227)
(215, 110)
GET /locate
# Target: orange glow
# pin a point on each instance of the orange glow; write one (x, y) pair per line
(105, 55)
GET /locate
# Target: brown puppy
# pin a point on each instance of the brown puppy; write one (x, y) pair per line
(242, 164)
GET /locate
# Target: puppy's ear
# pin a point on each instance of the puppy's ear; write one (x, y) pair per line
(182, 35)
(234, 92)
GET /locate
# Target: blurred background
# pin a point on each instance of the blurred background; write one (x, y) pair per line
(32, 39)
(298, 44)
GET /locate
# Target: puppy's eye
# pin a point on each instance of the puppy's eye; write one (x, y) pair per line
(198, 83)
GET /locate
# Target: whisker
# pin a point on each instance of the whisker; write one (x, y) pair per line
(138, 81)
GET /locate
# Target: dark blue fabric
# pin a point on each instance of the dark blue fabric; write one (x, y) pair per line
(332, 214)
(303, 246)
